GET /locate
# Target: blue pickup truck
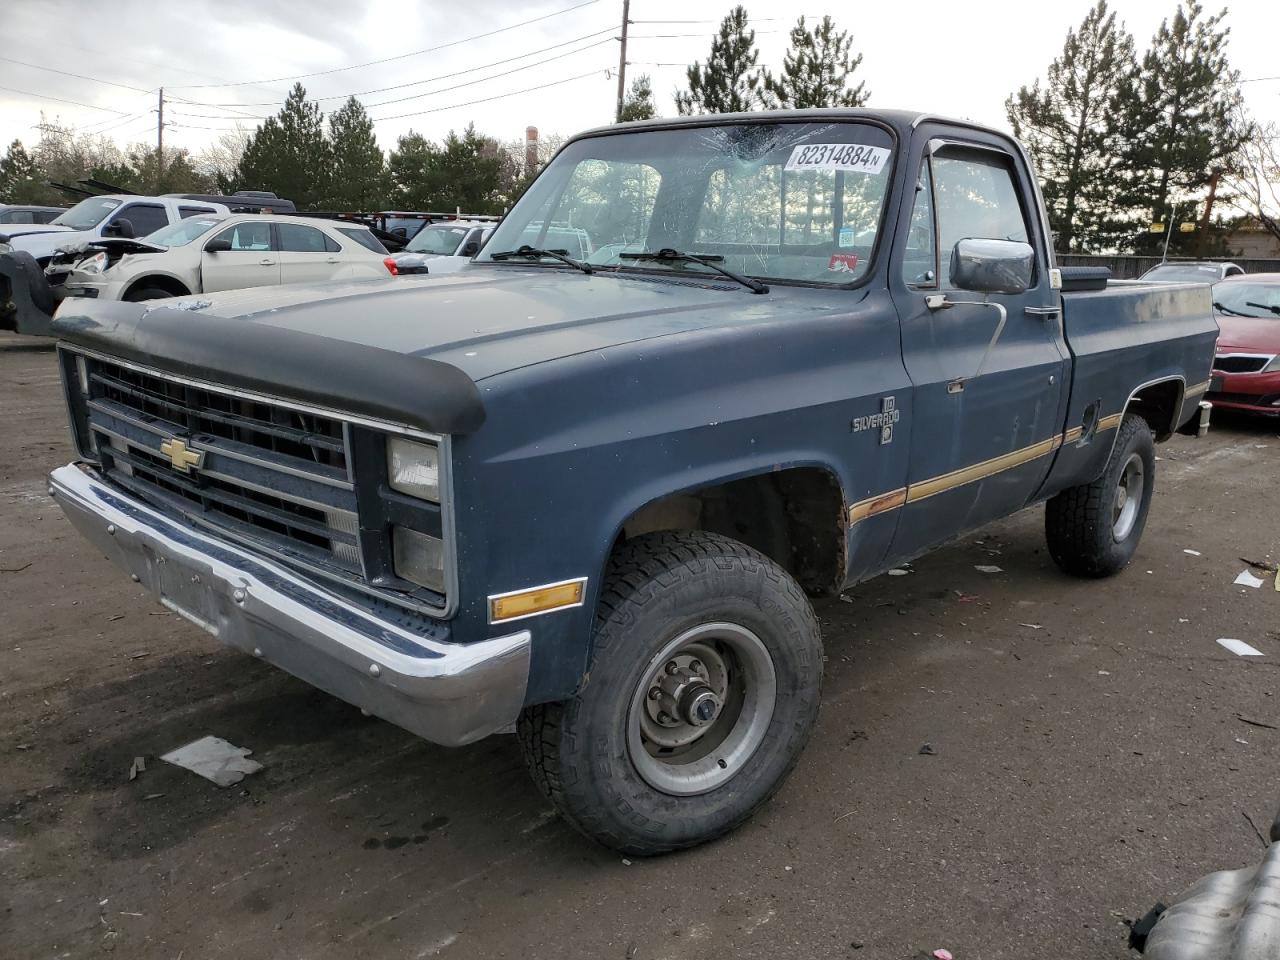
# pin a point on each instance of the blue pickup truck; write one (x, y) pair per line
(584, 488)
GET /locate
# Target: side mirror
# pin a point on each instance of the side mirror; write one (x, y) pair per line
(401, 232)
(122, 227)
(220, 245)
(470, 249)
(992, 266)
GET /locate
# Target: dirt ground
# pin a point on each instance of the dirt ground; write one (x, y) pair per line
(1089, 759)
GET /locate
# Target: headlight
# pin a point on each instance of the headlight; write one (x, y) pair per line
(93, 265)
(418, 557)
(414, 468)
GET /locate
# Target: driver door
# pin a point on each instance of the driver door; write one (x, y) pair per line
(988, 390)
(252, 261)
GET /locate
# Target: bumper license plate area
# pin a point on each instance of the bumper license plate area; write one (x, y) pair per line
(185, 593)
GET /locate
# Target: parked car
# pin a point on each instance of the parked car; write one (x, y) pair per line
(29, 293)
(210, 253)
(1246, 370)
(1188, 271)
(442, 247)
(11, 214)
(589, 499)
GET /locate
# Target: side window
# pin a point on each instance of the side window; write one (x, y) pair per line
(364, 238)
(331, 245)
(976, 198)
(254, 236)
(185, 212)
(295, 238)
(920, 259)
(146, 218)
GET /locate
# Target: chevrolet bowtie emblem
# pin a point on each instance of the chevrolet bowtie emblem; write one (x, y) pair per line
(180, 455)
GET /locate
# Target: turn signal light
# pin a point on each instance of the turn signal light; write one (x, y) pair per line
(526, 603)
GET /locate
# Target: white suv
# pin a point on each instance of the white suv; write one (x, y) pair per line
(443, 247)
(206, 254)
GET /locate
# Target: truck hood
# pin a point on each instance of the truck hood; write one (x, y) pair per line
(46, 239)
(489, 320)
(16, 230)
(1248, 335)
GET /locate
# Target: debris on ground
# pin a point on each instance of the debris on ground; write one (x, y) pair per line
(898, 572)
(1256, 723)
(987, 568)
(138, 766)
(1192, 553)
(1239, 647)
(214, 759)
(15, 569)
(1247, 579)
(1265, 565)
(927, 750)
(942, 954)
(1033, 626)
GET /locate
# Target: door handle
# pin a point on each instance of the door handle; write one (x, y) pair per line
(333, 260)
(1044, 313)
(267, 262)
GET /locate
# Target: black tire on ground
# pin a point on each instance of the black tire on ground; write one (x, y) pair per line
(147, 293)
(662, 588)
(1094, 529)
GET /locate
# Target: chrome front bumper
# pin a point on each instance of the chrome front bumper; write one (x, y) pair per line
(447, 693)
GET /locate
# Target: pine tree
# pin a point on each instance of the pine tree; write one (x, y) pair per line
(816, 70)
(1178, 123)
(730, 81)
(20, 176)
(1069, 125)
(638, 103)
(359, 168)
(464, 171)
(290, 154)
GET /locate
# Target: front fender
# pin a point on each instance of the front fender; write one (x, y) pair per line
(27, 302)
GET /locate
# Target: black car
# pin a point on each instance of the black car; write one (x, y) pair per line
(23, 214)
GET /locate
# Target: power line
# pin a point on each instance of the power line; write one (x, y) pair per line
(414, 83)
(78, 76)
(511, 93)
(74, 103)
(402, 56)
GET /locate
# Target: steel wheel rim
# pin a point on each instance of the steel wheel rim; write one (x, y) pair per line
(733, 667)
(1128, 499)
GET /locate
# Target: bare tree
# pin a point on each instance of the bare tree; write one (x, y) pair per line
(1252, 178)
(221, 160)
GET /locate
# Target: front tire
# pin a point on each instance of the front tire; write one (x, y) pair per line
(702, 690)
(1093, 529)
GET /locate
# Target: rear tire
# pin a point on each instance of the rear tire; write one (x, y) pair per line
(1093, 529)
(702, 690)
(147, 293)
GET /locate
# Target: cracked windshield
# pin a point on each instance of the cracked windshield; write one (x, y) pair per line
(777, 202)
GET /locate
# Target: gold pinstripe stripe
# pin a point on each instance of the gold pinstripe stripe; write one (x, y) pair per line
(884, 502)
(1198, 389)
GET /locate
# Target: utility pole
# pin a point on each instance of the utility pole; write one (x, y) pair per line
(622, 58)
(160, 131)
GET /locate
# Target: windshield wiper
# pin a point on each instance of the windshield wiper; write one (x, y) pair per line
(1223, 308)
(527, 251)
(1263, 306)
(667, 255)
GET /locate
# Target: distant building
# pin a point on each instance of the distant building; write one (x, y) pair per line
(1249, 239)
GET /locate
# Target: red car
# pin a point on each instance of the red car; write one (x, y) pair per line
(1246, 370)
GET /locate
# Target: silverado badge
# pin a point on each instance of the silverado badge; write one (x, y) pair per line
(180, 455)
(882, 421)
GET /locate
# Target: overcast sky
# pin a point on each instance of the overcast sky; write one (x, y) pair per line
(959, 59)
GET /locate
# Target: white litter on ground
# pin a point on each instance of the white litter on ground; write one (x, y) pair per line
(1239, 647)
(898, 572)
(987, 568)
(1247, 579)
(214, 759)
(1192, 553)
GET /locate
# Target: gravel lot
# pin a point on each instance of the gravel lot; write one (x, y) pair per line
(1089, 760)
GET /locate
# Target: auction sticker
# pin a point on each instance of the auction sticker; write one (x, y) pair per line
(838, 156)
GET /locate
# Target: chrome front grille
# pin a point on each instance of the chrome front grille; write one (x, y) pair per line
(266, 471)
